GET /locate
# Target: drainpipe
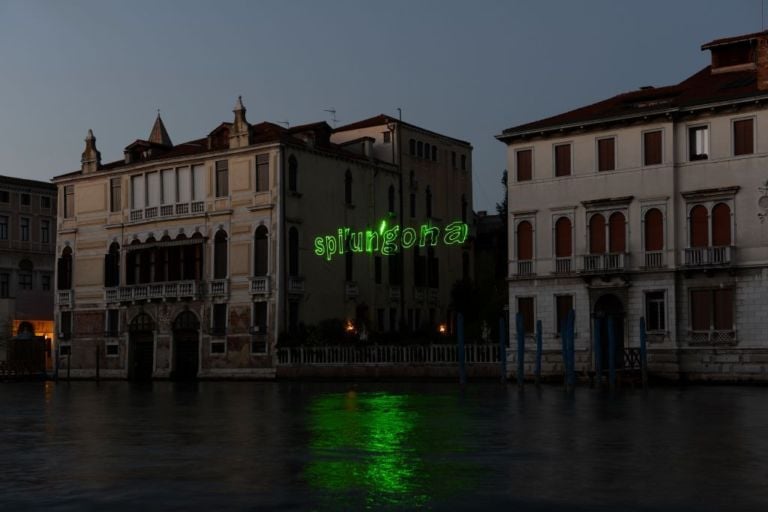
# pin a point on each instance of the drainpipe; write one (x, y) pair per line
(281, 305)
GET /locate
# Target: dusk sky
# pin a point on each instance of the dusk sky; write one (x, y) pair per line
(464, 69)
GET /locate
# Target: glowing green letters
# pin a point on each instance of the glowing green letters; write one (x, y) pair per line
(388, 240)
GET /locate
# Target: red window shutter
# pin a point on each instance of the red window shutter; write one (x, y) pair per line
(525, 307)
(699, 227)
(652, 148)
(723, 309)
(721, 225)
(654, 230)
(524, 165)
(564, 303)
(606, 156)
(524, 241)
(701, 310)
(743, 137)
(563, 237)
(597, 234)
(617, 228)
(563, 160)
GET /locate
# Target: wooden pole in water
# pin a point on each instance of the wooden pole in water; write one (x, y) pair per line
(538, 352)
(564, 349)
(643, 353)
(69, 361)
(611, 354)
(503, 348)
(462, 360)
(98, 354)
(520, 349)
(571, 349)
(599, 350)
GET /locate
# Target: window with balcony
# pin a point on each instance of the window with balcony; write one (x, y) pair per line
(115, 202)
(712, 314)
(112, 266)
(606, 154)
(524, 248)
(743, 137)
(652, 147)
(563, 245)
(293, 252)
(293, 174)
(65, 325)
(597, 234)
(220, 255)
(261, 251)
(525, 307)
(65, 270)
(563, 160)
(709, 235)
(524, 161)
(262, 173)
(563, 305)
(222, 178)
(617, 233)
(654, 238)
(698, 142)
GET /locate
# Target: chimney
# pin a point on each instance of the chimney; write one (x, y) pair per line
(91, 158)
(239, 135)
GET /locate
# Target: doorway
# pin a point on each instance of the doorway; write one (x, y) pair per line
(141, 359)
(186, 346)
(609, 308)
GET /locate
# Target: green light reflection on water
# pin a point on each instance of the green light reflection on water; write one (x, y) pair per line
(380, 448)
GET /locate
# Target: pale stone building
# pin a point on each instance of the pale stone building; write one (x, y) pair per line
(651, 204)
(194, 259)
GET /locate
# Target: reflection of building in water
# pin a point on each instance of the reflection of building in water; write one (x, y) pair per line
(27, 242)
(650, 204)
(191, 259)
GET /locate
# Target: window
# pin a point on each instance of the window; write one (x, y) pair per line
(419, 149)
(524, 159)
(220, 255)
(524, 241)
(45, 282)
(65, 270)
(427, 150)
(391, 198)
(597, 234)
(45, 202)
(412, 147)
(428, 194)
(259, 328)
(525, 308)
(293, 171)
(219, 318)
(377, 269)
(434, 153)
(743, 137)
(69, 201)
(380, 319)
(222, 178)
(115, 204)
(463, 162)
(25, 199)
(463, 208)
(25, 280)
(721, 225)
(65, 325)
(654, 230)
(698, 142)
(617, 233)
(260, 252)
(563, 238)
(112, 266)
(111, 329)
(5, 197)
(24, 229)
(392, 319)
(563, 304)
(712, 309)
(348, 268)
(45, 231)
(563, 160)
(293, 317)
(293, 251)
(348, 187)
(606, 154)
(3, 227)
(655, 312)
(652, 148)
(387, 137)
(699, 227)
(112, 349)
(4, 285)
(453, 159)
(262, 173)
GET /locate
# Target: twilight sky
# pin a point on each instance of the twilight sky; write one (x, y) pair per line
(465, 69)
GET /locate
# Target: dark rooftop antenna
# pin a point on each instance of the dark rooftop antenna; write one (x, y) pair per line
(286, 123)
(333, 115)
(399, 113)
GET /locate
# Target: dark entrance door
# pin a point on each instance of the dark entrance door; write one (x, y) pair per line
(186, 346)
(609, 308)
(141, 358)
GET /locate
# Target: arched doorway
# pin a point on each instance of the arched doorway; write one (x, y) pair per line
(186, 346)
(141, 360)
(609, 308)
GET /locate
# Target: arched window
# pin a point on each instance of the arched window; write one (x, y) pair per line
(654, 230)
(112, 266)
(141, 323)
(721, 225)
(293, 252)
(260, 252)
(699, 227)
(348, 187)
(463, 208)
(428, 193)
(185, 321)
(597, 234)
(293, 170)
(391, 198)
(563, 242)
(220, 255)
(524, 241)
(65, 270)
(617, 231)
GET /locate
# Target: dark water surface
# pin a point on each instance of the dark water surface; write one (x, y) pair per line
(379, 446)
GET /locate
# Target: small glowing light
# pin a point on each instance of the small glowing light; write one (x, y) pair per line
(442, 329)
(350, 327)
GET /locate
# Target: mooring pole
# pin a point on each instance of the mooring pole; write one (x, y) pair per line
(520, 349)
(69, 361)
(462, 359)
(538, 352)
(611, 354)
(571, 349)
(503, 348)
(643, 353)
(98, 350)
(564, 349)
(598, 351)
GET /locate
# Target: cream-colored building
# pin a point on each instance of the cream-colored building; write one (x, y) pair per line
(651, 204)
(192, 260)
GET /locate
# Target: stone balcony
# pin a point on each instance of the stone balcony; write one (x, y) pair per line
(218, 288)
(167, 211)
(395, 293)
(153, 291)
(653, 260)
(563, 265)
(260, 285)
(295, 285)
(65, 298)
(608, 262)
(524, 268)
(351, 290)
(708, 256)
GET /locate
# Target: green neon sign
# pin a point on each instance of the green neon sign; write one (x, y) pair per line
(388, 240)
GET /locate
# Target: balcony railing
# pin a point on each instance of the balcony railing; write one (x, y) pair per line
(395, 292)
(260, 285)
(218, 288)
(654, 259)
(713, 337)
(563, 265)
(524, 268)
(167, 210)
(419, 294)
(434, 296)
(610, 262)
(65, 297)
(169, 290)
(706, 256)
(351, 290)
(295, 285)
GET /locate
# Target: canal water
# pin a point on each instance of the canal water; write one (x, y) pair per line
(379, 446)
